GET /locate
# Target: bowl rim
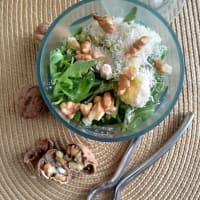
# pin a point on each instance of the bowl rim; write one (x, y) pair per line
(117, 138)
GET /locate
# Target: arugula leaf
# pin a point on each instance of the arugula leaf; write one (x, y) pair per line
(158, 89)
(104, 86)
(97, 41)
(57, 101)
(76, 83)
(58, 89)
(133, 116)
(68, 52)
(78, 116)
(80, 34)
(123, 114)
(80, 88)
(163, 53)
(79, 68)
(131, 15)
(55, 57)
(55, 77)
(78, 31)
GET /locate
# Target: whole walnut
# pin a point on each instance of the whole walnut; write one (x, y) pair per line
(40, 31)
(30, 103)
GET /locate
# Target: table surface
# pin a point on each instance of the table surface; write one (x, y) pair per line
(174, 176)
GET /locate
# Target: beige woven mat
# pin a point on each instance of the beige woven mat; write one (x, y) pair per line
(175, 176)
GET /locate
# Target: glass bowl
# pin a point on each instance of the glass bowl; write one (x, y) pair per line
(169, 9)
(79, 14)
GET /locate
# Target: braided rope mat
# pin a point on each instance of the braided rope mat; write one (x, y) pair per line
(174, 176)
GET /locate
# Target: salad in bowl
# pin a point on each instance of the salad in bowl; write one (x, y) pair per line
(110, 71)
(110, 77)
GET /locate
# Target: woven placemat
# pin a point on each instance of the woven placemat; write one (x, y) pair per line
(174, 176)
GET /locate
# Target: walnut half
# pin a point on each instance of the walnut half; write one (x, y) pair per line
(81, 158)
(163, 67)
(105, 22)
(137, 46)
(69, 109)
(50, 167)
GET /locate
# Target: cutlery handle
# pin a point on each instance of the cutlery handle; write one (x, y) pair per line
(118, 174)
(174, 138)
(125, 160)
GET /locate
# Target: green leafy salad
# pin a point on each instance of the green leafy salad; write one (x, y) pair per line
(110, 71)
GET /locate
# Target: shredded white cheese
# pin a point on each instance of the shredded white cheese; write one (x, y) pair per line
(123, 37)
(114, 45)
(144, 92)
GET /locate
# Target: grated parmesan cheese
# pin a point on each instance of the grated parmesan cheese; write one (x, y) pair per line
(114, 45)
(123, 37)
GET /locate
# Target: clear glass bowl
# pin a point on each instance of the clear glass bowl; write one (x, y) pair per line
(79, 14)
(169, 9)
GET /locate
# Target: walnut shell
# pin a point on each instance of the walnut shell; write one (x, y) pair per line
(34, 154)
(30, 103)
(58, 165)
(40, 31)
(88, 159)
